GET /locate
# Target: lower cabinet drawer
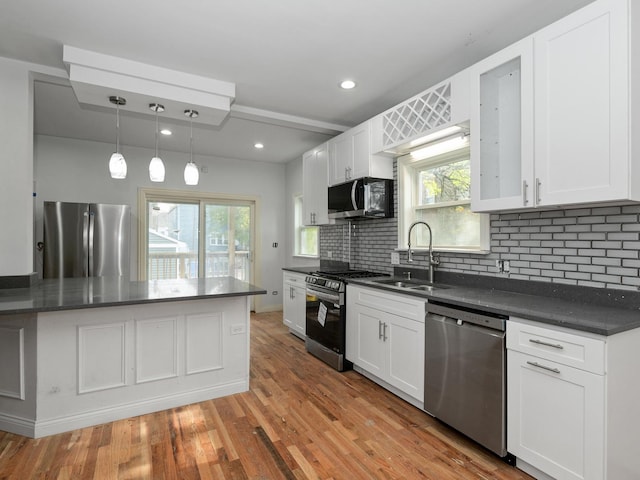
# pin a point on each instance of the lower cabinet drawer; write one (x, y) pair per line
(565, 348)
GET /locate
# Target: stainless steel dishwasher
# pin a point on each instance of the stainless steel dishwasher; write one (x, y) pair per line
(465, 370)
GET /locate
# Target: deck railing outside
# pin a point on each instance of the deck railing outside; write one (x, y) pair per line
(172, 265)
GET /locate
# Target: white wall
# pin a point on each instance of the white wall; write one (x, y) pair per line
(293, 188)
(16, 133)
(77, 171)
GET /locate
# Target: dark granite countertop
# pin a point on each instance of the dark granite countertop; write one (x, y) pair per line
(575, 314)
(75, 293)
(305, 270)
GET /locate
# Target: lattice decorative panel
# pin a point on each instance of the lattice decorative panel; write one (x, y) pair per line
(417, 115)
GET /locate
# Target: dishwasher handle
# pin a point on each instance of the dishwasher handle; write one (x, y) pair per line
(468, 315)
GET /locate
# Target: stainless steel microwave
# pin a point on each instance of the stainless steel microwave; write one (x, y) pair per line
(365, 197)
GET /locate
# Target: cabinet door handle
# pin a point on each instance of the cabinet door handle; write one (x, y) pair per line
(552, 345)
(524, 192)
(536, 364)
(379, 329)
(384, 332)
(538, 184)
(293, 293)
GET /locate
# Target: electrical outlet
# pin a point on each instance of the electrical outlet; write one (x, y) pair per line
(329, 254)
(237, 329)
(503, 266)
(395, 258)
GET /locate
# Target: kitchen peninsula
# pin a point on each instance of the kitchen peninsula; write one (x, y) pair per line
(84, 351)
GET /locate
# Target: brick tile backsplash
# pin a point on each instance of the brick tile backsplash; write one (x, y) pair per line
(595, 247)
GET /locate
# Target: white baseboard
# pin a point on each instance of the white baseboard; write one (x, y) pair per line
(397, 392)
(269, 308)
(17, 425)
(531, 470)
(67, 423)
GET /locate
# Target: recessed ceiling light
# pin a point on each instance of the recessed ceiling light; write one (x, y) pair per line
(347, 84)
(259, 146)
(165, 131)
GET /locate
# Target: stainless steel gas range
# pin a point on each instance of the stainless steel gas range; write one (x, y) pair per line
(326, 315)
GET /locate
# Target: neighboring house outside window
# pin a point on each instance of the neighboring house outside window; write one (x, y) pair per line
(306, 238)
(436, 190)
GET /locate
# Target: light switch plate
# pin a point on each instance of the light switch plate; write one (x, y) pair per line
(395, 258)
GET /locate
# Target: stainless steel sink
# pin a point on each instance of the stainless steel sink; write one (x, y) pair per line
(411, 285)
(397, 283)
(428, 288)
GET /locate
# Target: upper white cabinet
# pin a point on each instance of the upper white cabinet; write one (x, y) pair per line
(581, 106)
(314, 185)
(502, 129)
(550, 115)
(411, 122)
(350, 157)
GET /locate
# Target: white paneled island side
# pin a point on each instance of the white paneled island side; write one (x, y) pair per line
(81, 352)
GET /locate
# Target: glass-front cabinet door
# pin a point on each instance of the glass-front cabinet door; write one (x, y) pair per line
(502, 130)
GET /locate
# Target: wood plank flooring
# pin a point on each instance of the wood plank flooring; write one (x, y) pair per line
(300, 420)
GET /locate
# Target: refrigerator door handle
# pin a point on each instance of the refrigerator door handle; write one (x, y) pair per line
(85, 243)
(90, 243)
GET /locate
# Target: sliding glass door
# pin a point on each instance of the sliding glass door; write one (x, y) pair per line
(228, 240)
(188, 236)
(173, 240)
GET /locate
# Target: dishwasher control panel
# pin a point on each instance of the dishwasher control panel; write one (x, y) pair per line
(470, 315)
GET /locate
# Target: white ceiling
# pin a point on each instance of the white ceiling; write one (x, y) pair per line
(285, 56)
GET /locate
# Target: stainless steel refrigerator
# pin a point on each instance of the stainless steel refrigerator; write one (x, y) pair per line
(86, 240)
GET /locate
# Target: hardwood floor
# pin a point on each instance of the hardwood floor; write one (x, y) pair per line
(300, 420)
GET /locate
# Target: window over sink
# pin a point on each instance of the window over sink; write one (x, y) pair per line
(437, 190)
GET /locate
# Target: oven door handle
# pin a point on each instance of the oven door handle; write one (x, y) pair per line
(327, 297)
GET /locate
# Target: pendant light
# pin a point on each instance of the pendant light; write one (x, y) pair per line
(191, 173)
(117, 163)
(156, 166)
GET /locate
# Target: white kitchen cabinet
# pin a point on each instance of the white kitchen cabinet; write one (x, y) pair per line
(550, 115)
(385, 340)
(581, 106)
(350, 157)
(502, 129)
(568, 395)
(315, 164)
(294, 303)
(422, 118)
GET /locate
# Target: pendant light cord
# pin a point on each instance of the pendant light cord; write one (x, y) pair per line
(117, 127)
(191, 139)
(156, 131)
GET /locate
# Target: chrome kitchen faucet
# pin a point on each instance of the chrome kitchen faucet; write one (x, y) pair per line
(433, 260)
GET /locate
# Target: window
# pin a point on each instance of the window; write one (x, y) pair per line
(437, 190)
(306, 238)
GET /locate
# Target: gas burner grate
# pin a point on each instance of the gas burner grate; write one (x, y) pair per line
(346, 274)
